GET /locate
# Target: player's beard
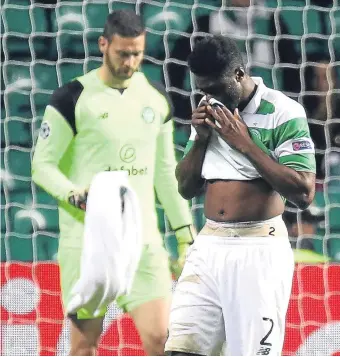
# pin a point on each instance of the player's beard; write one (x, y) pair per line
(232, 95)
(119, 73)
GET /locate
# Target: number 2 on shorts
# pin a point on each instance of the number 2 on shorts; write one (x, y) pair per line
(264, 339)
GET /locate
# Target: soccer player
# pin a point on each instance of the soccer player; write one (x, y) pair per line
(250, 153)
(114, 118)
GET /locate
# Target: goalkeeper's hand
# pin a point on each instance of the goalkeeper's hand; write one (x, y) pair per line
(185, 237)
(78, 199)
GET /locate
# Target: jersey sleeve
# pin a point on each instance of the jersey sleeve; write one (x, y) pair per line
(293, 144)
(56, 134)
(176, 208)
(191, 141)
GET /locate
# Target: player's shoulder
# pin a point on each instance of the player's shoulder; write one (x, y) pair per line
(64, 100)
(67, 93)
(154, 87)
(282, 107)
(155, 91)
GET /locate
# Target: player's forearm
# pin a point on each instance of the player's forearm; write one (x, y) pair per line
(176, 208)
(297, 187)
(52, 180)
(55, 137)
(189, 169)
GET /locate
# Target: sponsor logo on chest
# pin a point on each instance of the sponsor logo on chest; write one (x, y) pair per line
(128, 156)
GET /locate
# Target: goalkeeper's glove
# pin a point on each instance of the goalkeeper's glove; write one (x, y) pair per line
(78, 199)
(185, 237)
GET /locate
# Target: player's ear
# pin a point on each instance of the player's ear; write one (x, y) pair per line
(240, 74)
(102, 44)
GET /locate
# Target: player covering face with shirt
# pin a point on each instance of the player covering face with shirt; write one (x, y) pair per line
(249, 150)
(114, 118)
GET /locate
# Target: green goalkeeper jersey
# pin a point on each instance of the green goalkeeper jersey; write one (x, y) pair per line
(89, 127)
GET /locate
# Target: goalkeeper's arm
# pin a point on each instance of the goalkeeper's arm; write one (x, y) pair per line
(176, 208)
(56, 134)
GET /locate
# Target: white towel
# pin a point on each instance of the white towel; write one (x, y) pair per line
(112, 243)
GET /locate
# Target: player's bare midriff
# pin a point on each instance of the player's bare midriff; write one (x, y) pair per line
(241, 201)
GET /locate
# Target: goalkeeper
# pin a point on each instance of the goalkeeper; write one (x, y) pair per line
(113, 118)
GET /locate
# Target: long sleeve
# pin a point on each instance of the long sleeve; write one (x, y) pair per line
(56, 134)
(54, 139)
(176, 208)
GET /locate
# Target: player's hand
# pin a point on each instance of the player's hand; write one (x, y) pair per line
(231, 127)
(185, 237)
(198, 122)
(78, 199)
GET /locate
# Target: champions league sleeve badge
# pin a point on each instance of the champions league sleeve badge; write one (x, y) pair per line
(45, 130)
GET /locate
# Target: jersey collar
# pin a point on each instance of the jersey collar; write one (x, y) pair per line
(253, 105)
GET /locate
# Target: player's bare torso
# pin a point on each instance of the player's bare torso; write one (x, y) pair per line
(240, 201)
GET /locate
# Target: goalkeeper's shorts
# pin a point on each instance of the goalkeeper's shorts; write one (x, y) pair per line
(152, 280)
(235, 288)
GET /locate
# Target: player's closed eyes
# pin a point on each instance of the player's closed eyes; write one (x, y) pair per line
(213, 90)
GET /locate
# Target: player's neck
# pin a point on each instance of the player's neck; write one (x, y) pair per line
(249, 90)
(111, 81)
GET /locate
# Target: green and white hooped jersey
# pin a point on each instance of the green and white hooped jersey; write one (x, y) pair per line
(277, 124)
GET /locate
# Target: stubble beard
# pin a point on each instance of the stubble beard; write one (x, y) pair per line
(116, 73)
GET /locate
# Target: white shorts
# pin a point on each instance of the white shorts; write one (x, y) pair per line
(234, 288)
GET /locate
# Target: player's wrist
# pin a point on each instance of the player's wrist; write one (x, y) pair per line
(78, 198)
(201, 143)
(185, 234)
(248, 147)
(201, 139)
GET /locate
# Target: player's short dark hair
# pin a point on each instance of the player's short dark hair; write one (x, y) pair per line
(124, 22)
(215, 56)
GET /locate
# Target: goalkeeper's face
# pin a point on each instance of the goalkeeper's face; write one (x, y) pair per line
(123, 55)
